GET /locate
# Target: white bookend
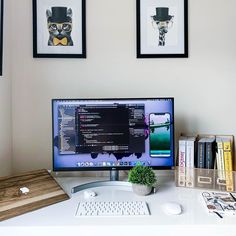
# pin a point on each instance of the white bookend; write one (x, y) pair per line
(182, 160)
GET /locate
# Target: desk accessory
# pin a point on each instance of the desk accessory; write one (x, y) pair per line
(89, 194)
(29, 191)
(213, 162)
(172, 208)
(208, 179)
(143, 179)
(24, 190)
(112, 208)
(220, 203)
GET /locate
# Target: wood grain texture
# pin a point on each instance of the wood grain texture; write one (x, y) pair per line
(44, 191)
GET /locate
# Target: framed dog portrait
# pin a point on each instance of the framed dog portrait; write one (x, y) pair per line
(59, 29)
(162, 28)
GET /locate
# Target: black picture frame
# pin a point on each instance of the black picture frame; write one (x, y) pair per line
(154, 17)
(1, 36)
(66, 23)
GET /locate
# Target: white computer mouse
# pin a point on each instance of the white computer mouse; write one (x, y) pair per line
(89, 194)
(172, 208)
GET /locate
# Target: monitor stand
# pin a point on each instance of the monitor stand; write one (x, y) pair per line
(114, 181)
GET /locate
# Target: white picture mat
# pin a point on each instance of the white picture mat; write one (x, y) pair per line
(42, 30)
(149, 36)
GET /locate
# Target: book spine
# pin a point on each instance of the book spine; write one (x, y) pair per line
(221, 182)
(182, 160)
(209, 155)
(190, 145)
(228, 156)
(201, 155)
(220, 161)
(190, 154)
(220, 156)
(228, 166)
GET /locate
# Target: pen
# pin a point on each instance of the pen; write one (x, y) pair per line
(217, 213)
(232, 196)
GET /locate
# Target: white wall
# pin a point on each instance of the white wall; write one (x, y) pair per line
(5, 100)
(203, 84)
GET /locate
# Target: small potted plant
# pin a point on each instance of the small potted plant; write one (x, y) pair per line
(143, 179)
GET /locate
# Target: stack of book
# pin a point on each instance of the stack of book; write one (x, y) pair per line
(205, 153)
(187, 154)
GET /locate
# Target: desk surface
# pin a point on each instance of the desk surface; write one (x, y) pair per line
(60, 218)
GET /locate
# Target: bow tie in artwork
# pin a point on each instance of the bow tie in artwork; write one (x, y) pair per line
(163, 22)
(59, 21)
(62, 42)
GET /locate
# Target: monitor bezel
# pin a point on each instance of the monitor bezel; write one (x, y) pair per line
(108, 168)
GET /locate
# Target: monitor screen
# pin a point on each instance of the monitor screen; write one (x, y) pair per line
(105, 134)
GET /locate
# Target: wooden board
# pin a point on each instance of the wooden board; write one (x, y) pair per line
(43, 191)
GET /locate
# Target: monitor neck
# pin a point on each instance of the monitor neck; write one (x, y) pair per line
(114, 175)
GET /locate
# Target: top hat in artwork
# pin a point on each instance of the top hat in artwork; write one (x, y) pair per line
(162, 14)
(59, 15)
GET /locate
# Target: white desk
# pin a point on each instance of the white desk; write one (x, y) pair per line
(59, 219)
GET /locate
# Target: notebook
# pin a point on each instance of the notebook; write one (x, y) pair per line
(221, 203)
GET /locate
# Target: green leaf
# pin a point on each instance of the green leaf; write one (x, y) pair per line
(142, 175)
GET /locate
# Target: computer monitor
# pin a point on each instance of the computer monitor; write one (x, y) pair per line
(112, 134)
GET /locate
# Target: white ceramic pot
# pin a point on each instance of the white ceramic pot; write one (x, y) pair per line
(142, 190)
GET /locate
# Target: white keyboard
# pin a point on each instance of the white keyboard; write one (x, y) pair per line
(116, 208)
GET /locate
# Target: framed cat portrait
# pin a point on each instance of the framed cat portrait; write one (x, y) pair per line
(162, 28)
(59, 29)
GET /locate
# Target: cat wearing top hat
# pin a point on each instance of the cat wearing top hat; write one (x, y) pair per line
(59, 21)
(163, 21)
